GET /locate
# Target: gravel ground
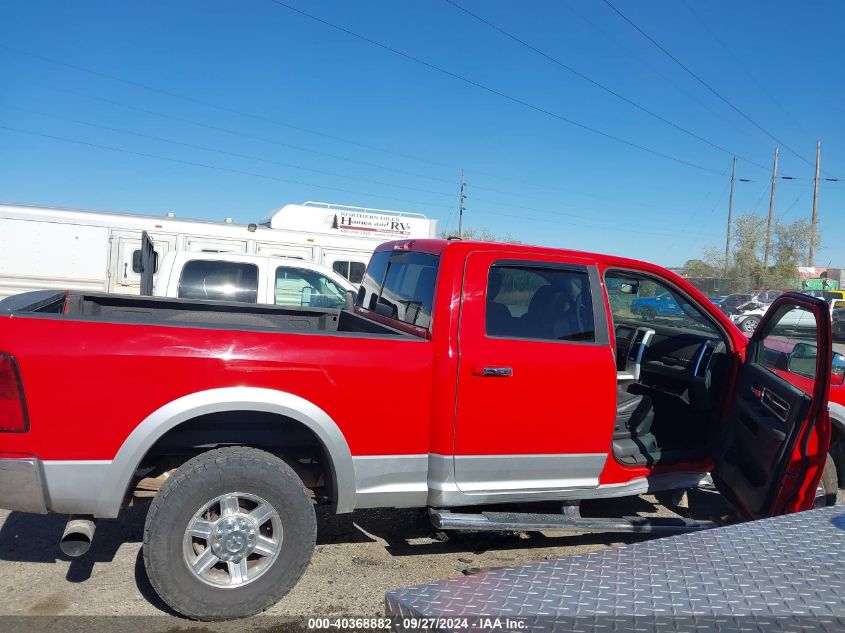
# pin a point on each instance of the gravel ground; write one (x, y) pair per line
(358, 557)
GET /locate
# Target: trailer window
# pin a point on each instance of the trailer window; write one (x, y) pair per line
(219, 281)
(353, 271)
(400, 285)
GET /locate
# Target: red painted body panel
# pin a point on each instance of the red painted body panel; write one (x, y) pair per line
(560, 398)
(89, 384)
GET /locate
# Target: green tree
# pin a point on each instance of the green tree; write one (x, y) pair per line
(480, 234)
(788, 249)
(697, 268)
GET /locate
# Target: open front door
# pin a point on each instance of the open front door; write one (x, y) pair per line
(778, 430)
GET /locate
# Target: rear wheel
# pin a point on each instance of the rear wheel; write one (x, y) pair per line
(229, 534)
(648, 313)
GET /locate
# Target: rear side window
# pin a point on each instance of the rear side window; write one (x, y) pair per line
(219, 281)
(400, 285)
(539, 303)
(353, 271)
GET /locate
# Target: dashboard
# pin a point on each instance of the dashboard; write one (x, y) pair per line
(679, 363)
(631, 345)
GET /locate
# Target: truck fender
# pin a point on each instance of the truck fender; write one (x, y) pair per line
(837, 417)
(144, 436)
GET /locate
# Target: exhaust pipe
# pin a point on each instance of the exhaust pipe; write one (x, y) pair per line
(77, 537)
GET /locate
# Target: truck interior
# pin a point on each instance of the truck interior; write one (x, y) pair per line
(670, 379)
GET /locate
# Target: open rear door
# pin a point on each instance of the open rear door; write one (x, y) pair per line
(777, 432)
(148, 264)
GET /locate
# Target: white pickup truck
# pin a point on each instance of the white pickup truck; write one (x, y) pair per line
(251, 279)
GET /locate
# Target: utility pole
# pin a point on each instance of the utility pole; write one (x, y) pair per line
(815, 205)
(461, 206)
(730, 213)
(771, 215)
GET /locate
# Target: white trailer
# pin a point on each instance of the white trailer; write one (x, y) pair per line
(50, 248)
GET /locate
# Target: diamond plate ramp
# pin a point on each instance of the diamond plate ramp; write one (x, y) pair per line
(783, 573)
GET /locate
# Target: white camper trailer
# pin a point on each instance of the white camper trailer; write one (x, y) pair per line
(45, 248)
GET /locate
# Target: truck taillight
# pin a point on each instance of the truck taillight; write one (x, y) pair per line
(13, 416)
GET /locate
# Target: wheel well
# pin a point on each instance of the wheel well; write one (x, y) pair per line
(289, 439)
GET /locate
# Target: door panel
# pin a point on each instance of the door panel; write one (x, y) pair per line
(125, 273)
(536, 399)
(778, 430)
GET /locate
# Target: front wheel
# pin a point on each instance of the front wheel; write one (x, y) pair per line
(229, 534)
(749, 324)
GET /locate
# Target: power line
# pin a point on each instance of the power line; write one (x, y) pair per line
(217, 128)
(632, 53)
(599, 85)
(215, 150)
(179, 161)
(745, 69)
(98, 73)
(241, 172)
(493, 91)
(705, 84)
(216, 106)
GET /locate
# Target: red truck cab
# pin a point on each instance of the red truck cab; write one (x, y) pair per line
(465, 374)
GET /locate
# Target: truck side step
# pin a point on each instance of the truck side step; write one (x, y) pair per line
(532, 522)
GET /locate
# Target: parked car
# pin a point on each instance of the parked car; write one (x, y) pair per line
(250, 278)
(838, 324)
(748, 316)
(731, 302)
(663, 304)
(467, 375)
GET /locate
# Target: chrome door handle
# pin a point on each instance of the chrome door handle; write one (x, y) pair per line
(494, 372)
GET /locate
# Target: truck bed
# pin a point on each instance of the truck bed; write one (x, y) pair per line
(783, 573)
(187, 313)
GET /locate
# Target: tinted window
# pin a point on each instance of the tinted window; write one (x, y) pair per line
(219, 281)
(301, 287)
(136, 262)
(789, 346)
(400, 285)
(353, 271)
(539, 303)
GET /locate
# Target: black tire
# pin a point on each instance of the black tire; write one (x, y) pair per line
(830, 481)
(749, 324)
(649, 313)
(837, 452)
(193, 485)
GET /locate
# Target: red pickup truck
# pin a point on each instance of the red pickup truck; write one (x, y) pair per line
(465, 375)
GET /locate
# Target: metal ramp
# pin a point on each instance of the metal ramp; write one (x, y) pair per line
(785, 573)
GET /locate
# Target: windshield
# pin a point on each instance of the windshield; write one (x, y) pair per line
(400, 285)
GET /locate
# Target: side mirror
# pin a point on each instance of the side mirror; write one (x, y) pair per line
(629, 288)
(802, 360)
(837, 369)
(306, 296)
(350, 296)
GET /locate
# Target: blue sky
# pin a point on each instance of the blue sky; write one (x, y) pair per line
(254, 106)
